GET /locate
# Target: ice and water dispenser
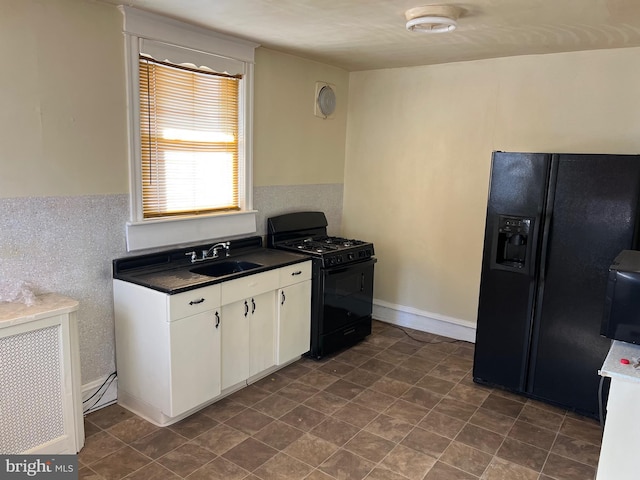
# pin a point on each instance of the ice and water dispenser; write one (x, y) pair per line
(512, 242)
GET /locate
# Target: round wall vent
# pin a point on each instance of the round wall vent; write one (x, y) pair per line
(325, 101)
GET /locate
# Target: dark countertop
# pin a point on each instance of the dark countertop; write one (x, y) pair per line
(170, 273)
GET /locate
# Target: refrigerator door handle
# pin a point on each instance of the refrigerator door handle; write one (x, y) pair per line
(545, 242)
(535, 247)
(548, 220)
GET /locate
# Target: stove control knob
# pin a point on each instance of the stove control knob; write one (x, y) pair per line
(351, 256)
(338, 259)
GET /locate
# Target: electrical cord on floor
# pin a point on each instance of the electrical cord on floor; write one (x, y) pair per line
(103, 384)
(424, 341)
(101, 390)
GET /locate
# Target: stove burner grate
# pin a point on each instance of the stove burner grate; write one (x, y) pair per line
(323, 244)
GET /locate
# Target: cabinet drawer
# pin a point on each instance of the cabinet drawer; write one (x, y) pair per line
(193, 302)
(295, 273)
(248, 286)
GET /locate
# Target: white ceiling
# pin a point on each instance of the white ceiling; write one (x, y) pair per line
(371, 34)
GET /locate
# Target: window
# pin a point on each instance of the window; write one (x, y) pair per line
(189, 126)
(190, 102)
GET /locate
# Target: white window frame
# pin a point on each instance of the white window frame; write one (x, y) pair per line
(139, 27)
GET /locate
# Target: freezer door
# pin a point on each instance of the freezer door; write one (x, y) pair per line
(593, 213)
(509, 266)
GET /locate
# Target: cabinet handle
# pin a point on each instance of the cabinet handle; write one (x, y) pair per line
(196, 302)
(283, 298)
(217, 319)
(253, 306)
(246, 308)
(297, 273)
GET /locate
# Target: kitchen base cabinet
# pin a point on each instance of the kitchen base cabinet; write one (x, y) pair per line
(618, 453)
(194, 346)
(179, 353)
(262, 330)
(248, 327)
(621, 433)
(293, 331)
(235, 345)
(167, 350)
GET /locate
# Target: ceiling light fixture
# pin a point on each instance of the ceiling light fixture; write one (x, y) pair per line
(432, 18)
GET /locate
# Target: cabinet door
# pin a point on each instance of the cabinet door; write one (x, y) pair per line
(195, 361)
(294, 321)
(235, 342)
(262, 330)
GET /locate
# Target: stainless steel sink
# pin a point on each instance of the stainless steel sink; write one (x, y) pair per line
(227, 267)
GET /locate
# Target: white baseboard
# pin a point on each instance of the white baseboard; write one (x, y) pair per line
(424, 321)
(110, 395)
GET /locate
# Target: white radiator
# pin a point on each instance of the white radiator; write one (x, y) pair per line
(40, 406)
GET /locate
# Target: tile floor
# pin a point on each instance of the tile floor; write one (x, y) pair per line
(390, 408)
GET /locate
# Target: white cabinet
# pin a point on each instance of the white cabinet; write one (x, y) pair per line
(167, 350)
(248, 327)
(178, 353)
(262, 331)
(293, 312)
(618, 454)
(194, 346)
(235, 345)
(40, 399)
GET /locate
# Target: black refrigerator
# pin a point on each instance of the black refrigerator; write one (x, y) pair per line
(555, 222)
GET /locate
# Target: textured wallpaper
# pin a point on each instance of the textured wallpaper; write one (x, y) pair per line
(277, 200)
(66, 244)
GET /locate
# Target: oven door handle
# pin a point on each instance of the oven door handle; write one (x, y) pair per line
(336, 271)
(349, 266)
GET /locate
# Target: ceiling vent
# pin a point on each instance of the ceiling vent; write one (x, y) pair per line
(433, 18)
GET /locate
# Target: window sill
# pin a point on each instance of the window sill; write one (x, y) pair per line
(177, 231)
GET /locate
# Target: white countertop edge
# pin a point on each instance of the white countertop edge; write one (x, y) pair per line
(614, 369)
(47, 305)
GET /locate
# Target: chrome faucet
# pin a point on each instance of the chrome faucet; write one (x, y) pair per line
(213, 252)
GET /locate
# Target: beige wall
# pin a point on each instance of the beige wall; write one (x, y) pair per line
(62, 91)
(63, 120)
(418, 147)
(291, 145)
(419, 143)
(63, 153)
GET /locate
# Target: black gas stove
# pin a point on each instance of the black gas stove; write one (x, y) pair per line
(331, 250)
(342, 282)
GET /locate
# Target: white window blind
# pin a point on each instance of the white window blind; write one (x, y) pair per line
(189, 128)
